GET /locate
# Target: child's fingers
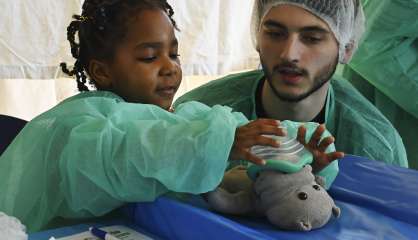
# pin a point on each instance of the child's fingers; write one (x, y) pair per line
(325, 143)
(265, 130)
(259, 140)
(266, 121)
(246, 155)
(316, 136)
(320, 162)
(264, 141)
(250, 141)
(323, 160)
(262, 127)
(301, 135)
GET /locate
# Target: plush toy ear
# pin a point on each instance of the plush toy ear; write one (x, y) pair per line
(336, 211)
(304, 226)
(320, 180)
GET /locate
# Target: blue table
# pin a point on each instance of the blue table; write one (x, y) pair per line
(378, 201)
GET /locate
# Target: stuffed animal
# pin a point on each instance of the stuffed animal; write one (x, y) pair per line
(293, 199)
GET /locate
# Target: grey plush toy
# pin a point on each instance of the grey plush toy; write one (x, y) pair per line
(291, 201)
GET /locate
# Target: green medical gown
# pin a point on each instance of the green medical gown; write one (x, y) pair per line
(94, 152)
(358, 127)
(385, 67)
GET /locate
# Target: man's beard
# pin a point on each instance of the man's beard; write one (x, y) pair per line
(323, 77)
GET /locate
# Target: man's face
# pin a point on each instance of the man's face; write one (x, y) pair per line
(298, 52)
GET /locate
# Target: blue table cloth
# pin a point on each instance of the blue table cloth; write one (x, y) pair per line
(378, 201)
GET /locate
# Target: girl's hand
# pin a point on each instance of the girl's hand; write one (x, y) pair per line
(252, 134)
(321, 159)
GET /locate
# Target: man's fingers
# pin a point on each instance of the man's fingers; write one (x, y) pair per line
(316, 136)
(320, 162)
(325, 143)
(301, 135)
(323, 160)
(334, 156)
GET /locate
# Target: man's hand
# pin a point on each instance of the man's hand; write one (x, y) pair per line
(321, 159)
(252, 134)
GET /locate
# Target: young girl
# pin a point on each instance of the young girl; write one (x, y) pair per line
(100, 149)
(122, 143)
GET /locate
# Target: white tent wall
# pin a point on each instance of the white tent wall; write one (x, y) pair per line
(214, 40)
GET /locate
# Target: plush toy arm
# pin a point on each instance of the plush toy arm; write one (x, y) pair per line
(239, 203)
(235, 195)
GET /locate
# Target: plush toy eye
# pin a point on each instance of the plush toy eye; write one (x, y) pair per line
(316, 187)
(303, 196)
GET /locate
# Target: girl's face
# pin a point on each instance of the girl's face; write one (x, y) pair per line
(146, 66)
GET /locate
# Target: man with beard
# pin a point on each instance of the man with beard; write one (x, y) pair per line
(300, 43)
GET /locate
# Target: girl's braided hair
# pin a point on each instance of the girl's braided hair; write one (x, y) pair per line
(101, 25)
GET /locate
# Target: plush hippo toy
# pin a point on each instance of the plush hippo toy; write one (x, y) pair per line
(293, 199)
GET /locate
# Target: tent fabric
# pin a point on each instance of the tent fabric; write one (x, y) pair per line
(378, 201)
(214, 40)
(214, 37)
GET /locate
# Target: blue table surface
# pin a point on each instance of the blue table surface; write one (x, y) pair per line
(378, 201)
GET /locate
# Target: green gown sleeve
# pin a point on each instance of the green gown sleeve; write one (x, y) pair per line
(88, 156)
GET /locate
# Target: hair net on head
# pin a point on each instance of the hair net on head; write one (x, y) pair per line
(345, 18)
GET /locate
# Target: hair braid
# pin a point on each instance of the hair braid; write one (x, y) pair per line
(78, 69)
(170, 13)
(100, 27)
